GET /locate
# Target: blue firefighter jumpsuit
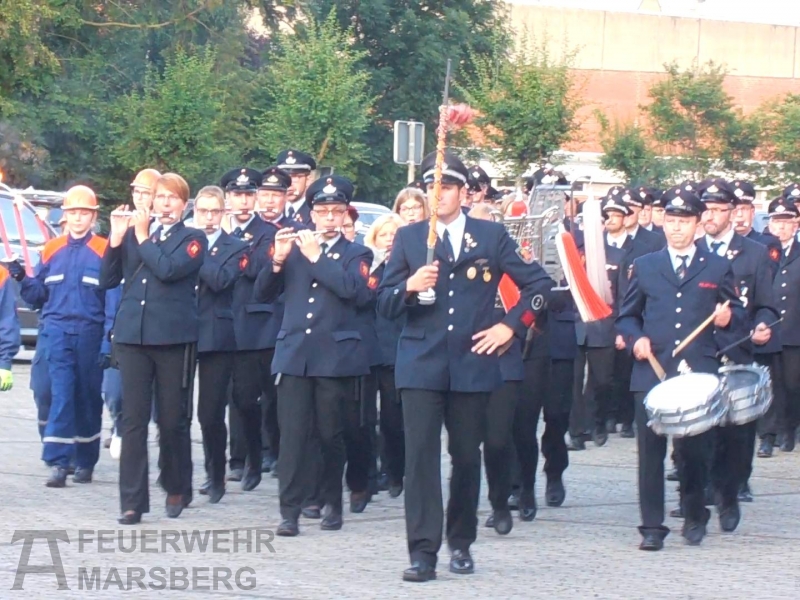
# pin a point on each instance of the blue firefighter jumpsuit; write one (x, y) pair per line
(112, 379)
(9, 322)
(67, 289)
(40, 382)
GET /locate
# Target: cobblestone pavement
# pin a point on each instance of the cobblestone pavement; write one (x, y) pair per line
(585, 549)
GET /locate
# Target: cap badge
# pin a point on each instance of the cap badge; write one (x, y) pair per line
(739, 192)
(713, 189)
(688, 188)
(272, 179)
(678, 202)
(475, 174)
(642, 195)
(290, 160)
(780, 209)
(795, 192)
(329, 189)
(242, 179)
(626, 198)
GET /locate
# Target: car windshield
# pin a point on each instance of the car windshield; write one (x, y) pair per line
(34, 235)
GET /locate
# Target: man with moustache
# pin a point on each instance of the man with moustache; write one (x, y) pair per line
(300, 166)
(224, 263)
(744, 213)
(447, 364)
(251, 319)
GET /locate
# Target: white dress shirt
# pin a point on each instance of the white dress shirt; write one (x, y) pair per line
(618, 240)
(296, 205)
(674, 254)
(456, 232)
(213, 238)
(725, 239)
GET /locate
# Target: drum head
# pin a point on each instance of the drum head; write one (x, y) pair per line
(682, 393)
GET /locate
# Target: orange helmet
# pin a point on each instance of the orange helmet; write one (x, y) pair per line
(146, 178)
(518, 208)
(80, 196)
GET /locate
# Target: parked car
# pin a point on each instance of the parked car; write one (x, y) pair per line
(36, 233)
(367, 214)
(47, 204)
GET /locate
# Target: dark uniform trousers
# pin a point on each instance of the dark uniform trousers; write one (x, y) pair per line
(770, 424)
(498, 445)
(464, 416)
(309, 405)
(623, 403)
(693, 452)
(593, 399)
(783, 416)
(360, 416)
(138, 366)
(251, 375)
(270, 432)
(391, 427)
(238, 441)
(214, 373)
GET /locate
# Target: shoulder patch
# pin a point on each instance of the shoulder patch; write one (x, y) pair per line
(525, 254)
(364, 270)
(243, 262)
(372, 282)
(774, 254)
(528, 318)
(193, 249)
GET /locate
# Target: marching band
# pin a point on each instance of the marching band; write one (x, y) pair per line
(341, 360)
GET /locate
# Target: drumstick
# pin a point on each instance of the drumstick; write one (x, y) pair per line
(690, 338)
(660, 373)
(744, 339)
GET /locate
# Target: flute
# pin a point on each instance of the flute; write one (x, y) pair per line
(130, 213)
(285, 237)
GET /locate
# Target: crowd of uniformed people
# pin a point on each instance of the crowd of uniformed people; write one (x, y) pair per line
(320, 360)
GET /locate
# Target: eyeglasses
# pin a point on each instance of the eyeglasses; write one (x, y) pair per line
(145, 193)
(411, 208)
(169, 197)
(210, 212)
(718, 211)
(324, 212)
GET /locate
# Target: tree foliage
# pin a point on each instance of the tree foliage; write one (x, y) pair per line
(780, 120)
(528, 104)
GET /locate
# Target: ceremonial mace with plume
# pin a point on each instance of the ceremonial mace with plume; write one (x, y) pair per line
(451, 117)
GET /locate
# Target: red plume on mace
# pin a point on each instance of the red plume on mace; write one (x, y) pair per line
(451, 117)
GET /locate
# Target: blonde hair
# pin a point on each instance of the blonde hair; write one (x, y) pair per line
(411, 194)
(379, 224)
(482, 211)
(212, 191)
(174, 183)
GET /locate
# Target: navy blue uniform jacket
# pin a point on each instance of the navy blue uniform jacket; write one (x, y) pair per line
(666, 309)
(786, 289)
(159, 301)
(434, 352)
(320, 335)
(224, 263)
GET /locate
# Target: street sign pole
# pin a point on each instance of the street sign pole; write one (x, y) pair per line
(411, 155)
(409, 141)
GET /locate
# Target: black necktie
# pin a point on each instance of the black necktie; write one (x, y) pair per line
(448, 247)
(156, 235)
(291, 212)
(715, 246)
(238, 232)
(324, 248)
(681, 270)
(614, 244)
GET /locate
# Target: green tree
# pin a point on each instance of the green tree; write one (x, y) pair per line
(781, 147)
(177, 122)
(528, 104)
(628, 152)
(314, 97)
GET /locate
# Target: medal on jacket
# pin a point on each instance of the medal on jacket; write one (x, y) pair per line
(487, 276)
(472, 272)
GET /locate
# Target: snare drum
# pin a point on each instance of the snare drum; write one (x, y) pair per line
(747, 391)
(686, 405)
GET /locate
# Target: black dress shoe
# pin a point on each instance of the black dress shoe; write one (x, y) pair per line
(489, 521)
(694, 531)
(600, 435)
(251, 479)
(611, 426)
(673, 475)
(130, 517)
(745, 495)
(461, 562)
(274, 473)
(216, 492)
(383, 482)
(627, 432)
(503, 523)
(419, 572)
(83, 475)
(676, 513)
(729, 518)
(765, 448)
(287, 528)
(236, 474)
(332, 521)
(174, 506)
(358, 501)
(576, 444)
(788, 443)
(527, 506)
(554, 493)
(651, 542)
(58, 478)
(187, 500)
(395, 490)
(203, 489)
(311, 512)
(513, 500)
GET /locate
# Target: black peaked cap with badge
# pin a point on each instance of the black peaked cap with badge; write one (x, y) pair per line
(625, 195)
(783, 207)
(614, 204)
(476, 173)
(294, 161)
(647, 195)
(330, 190)
(792, 191)
(744, 190)
(717, 190)
(275, 178)
(243, 179)
(453, 170)
(681, 201)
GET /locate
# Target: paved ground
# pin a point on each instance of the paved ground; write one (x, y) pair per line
(586, 549)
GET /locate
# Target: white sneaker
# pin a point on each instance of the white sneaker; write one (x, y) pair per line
(116, 447)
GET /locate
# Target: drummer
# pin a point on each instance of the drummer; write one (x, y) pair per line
(671, 292)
